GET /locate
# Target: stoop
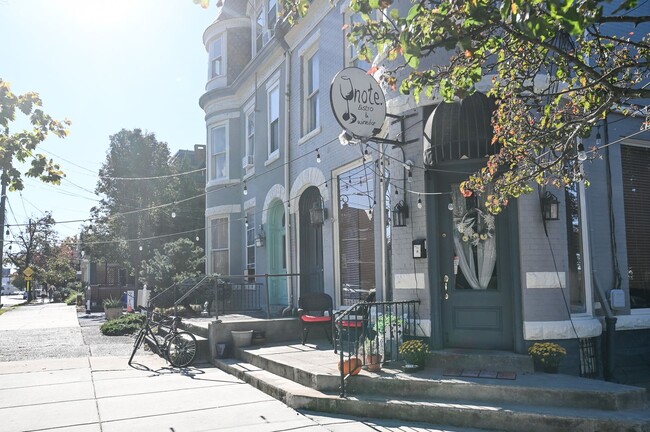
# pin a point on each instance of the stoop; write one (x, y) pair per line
(305, 377)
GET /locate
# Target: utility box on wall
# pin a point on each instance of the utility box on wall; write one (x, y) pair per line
(617, 299)
(420, 248)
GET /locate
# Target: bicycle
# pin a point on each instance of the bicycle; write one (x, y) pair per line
(177, 347)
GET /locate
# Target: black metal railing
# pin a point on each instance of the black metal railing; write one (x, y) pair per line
(372, 332)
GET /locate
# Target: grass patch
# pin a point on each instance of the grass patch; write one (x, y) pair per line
(126, 324)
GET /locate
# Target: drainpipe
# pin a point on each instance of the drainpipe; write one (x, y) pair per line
(280, 29)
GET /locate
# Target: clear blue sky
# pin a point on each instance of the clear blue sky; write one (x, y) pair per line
(105, 65)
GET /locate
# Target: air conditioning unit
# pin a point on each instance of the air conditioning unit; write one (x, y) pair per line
(247, 161)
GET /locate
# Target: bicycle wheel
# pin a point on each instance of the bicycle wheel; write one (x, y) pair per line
(181, 349)
(138, 341)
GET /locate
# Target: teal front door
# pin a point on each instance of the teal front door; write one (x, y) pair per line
(277, 254)
(473, 279)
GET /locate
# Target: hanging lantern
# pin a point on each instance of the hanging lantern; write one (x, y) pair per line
(550, 207)
(400, 214)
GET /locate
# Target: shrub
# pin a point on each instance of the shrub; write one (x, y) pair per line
(71, 300)
(112, 303)
(126, 324)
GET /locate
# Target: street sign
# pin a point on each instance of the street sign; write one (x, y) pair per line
(28, 272)
(28, 278)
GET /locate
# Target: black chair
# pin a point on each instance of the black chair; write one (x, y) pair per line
(316, 310)
(356, 327)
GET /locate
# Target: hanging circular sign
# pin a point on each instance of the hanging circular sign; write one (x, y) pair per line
(358, 103)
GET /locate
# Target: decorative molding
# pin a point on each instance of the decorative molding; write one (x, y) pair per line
(545, 280)
(276, 192)
(222, 210)
(309, 177)
(250, 203)
(544, 330)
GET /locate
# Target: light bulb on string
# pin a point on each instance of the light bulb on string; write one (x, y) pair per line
(246, 221)
(582, 155)
(450, 206)
(410, 176)
(197, 238)
(419, 202)
(598, 139)
(140, 248)
(245, 189)
(396, 190)
(317, 156)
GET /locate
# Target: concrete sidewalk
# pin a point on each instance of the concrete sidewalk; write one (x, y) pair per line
(95, 394)
(92, 392)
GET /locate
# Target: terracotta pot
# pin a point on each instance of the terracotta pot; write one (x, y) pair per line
(112, 313)
(351, 366)
(373, 362)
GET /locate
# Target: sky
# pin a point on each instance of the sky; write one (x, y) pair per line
(106, 66)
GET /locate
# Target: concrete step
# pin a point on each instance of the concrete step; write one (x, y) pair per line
(529, 388)
(439, 411)
(481, 359)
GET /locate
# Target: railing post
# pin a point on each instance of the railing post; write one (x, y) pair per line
(175, 298)
(268, 296)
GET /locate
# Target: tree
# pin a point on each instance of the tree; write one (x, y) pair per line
(179, 260)
(36, 244)
(60, 266)
(589, 71)
(135, 212)
(20, 146)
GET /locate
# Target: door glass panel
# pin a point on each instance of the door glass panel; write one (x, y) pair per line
(475, 243)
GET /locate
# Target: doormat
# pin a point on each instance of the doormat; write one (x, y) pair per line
(478, 373)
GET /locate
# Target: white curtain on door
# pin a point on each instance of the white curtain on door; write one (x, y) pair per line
(477, 271)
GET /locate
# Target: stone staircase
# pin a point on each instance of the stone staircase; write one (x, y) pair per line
(306, 378)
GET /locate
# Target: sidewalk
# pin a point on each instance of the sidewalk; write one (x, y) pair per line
(86, 393)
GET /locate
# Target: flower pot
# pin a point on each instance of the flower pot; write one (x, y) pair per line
(373, 362)
(545, 367)
(112, 312)
(351, 366)
(259, 337)
(241, 338)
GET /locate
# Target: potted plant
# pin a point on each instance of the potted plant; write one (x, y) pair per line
(374, 350)
(414, 352)
(547, 356)
(112, 308)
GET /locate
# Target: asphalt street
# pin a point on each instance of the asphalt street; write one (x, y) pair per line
(59, 374)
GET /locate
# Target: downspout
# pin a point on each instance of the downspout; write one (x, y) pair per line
(610, 319)
(279, 34)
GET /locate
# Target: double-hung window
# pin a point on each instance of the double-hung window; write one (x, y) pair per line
(250, 139)
(219, 246)
(274, 119)
(218, 153)
(216, 58)
(250, 240)
(311, 94)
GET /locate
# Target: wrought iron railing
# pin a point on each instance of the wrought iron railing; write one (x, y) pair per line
(373, 328)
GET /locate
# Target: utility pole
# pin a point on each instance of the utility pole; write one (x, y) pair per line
(3, 199)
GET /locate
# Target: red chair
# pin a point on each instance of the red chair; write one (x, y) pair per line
(316, 310)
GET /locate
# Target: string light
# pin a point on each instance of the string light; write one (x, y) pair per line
(598, 140)
(419, 202)
(140, 247)
(582, 155)
(410, 176)
(317, 156)
(245, 189)
(246, 221)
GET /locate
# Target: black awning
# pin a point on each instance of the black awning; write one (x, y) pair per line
(459, 130)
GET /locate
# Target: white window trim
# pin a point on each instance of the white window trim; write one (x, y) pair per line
(275, 154)
(310, 50)
(247, 133)
(223, 42)
(212, 178)
(209, 240)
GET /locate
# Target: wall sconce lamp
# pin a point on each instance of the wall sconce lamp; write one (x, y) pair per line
(550, 207)
(260, 238)
(318, 213)
(400, 214)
